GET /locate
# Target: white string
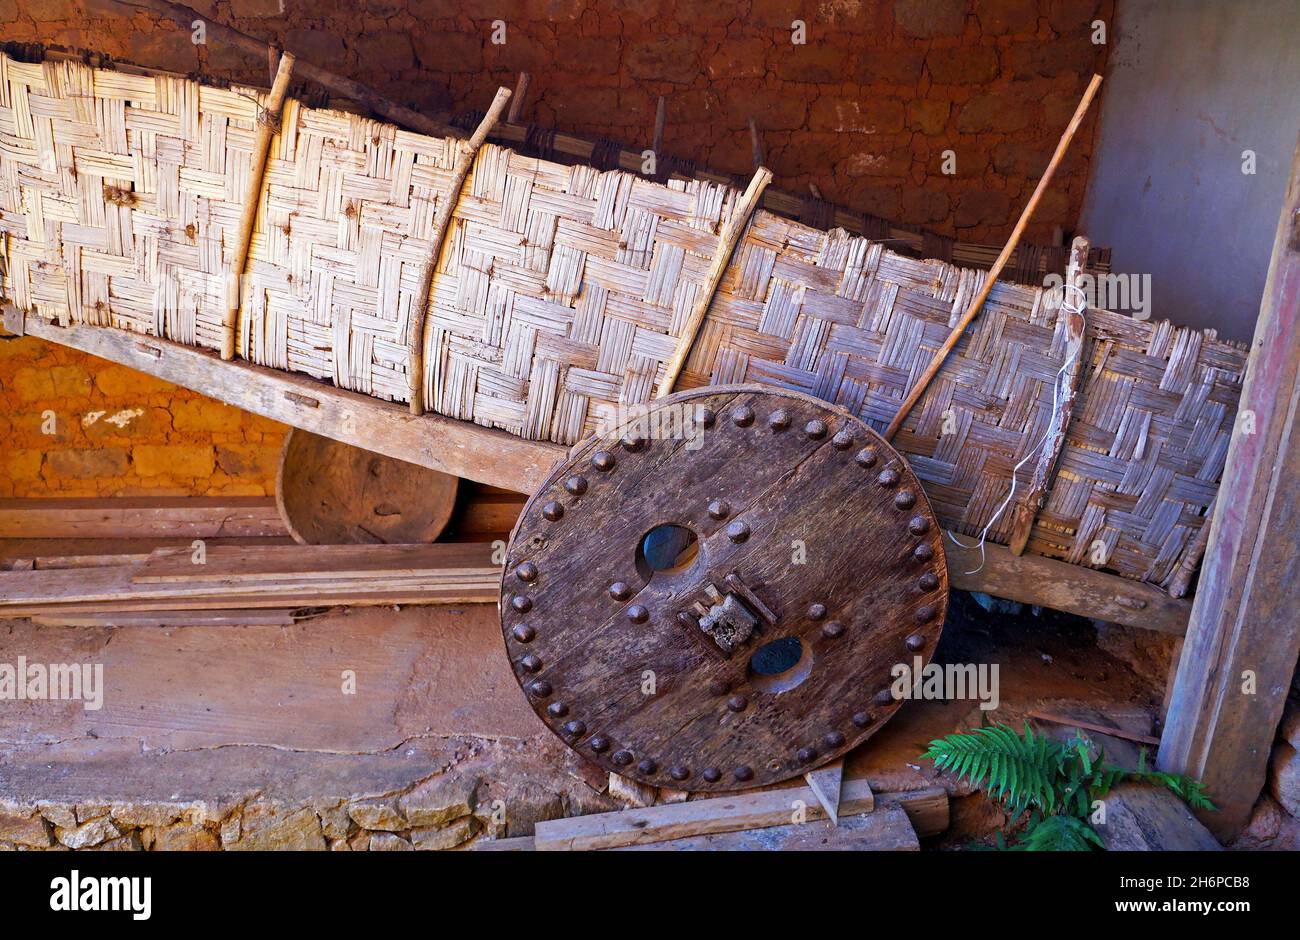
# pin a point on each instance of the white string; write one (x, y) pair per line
(1067, 306)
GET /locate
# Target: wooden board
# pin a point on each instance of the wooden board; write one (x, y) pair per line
(775, 473)
(128, 517)
(460, 448)
(1143, 818)
(695, 818)
(331, 493)
(886, 829)
(1240, 653)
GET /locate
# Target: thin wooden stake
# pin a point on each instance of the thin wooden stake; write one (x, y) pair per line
(517, 100)
(726, 245)
(755, 145)
(1074, 323)
(657, 142)
(417, 331)
(268, 124)
(933, 368)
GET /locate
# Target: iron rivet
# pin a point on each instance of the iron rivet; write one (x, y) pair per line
(833, 630)
(742, 416)
(576, 485)
(622, 758)
(557, 709)
(619, 591)
(524, 633)
(816, 429)
(842, 440)
(521, 603)
(915, 642)
(603, 461)
(928, 582)
(737, 703)
(833, 739)
(680, 773)
(743, 772)
(552, 511)
(706, 417)
(779, 420)
(632, 443)
(866, 457)
(923, 553)
(919, 525)
(599, 743)
(541, 688)
(638, 614)
(575, 729)
(905, 499)
(647, 766)
(531, 663)
(807, 755)
(719, 510)
(738, 531)
(884, 697)
(924, 612)
(719, 687)
(712, 774)
(888, 477)
(816, 611)
(861, 719)
(526, 572)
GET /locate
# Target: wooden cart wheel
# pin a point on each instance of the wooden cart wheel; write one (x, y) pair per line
(716, 594)
(331, 493)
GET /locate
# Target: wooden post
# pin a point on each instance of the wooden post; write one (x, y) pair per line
(1063, 402)
(268, 124)
(1244, 634)
(518, 98)
(441, 225)
(731, 232)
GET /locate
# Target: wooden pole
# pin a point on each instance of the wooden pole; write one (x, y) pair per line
(517, 100)
(933, 368)
(726, 245)
(268, 124)
(417, 332)
(755, 145)
(657, 142)
(361, 94)
(1243, 637)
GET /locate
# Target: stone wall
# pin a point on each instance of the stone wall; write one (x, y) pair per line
(865, 110)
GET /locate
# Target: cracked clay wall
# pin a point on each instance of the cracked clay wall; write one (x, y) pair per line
(866, 109)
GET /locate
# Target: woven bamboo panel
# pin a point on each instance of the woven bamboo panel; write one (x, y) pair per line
(842, 318)
(120, 194)
(561, 291)
(341, 248)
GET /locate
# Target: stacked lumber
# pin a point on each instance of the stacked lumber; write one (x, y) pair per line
(234, 578)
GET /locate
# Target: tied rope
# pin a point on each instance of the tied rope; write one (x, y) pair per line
(1073, 300)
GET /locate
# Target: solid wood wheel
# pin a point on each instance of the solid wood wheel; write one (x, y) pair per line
(331, 493)
(713, 595)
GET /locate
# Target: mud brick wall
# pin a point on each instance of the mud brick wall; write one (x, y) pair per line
(866, 109)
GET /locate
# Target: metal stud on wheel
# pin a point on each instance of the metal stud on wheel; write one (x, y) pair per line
(721, 603)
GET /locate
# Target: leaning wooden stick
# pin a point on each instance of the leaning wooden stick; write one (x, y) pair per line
(933, 368)
(726, 245)
(416, 333)
(268, 122)
(1073, 323)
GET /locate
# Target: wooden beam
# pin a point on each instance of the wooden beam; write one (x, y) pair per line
(134, 517)
(1034, 579)
(1244, 635)
(461, 448)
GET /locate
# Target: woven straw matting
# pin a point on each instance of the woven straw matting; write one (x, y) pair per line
(561, 290)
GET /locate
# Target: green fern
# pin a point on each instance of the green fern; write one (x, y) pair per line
(1055, 783)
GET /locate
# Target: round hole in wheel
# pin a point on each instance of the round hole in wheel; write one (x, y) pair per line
(667, 548)
(780, 665)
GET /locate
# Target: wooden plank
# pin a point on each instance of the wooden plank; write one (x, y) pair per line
(1072, 303)
(1033, 579)
(1143, 818)
(827, 782)
(885, 830)
(1244, 636)
(751, 810)
(170, 618)
(312, 562)
(456, 447)
(129, 517)
(927, 809)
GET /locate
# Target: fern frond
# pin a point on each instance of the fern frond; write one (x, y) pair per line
(1018, 771)
(1059, 834)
